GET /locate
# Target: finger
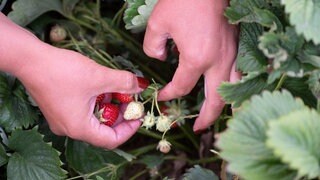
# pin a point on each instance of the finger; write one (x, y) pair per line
(110, 80)
(213, 104)
(104, 136)
(184, 79)
(155, 40)
(235, 75)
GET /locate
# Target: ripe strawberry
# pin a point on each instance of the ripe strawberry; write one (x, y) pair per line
(134, 110)
(108, 114)
(100, 98)
(143, 82)
(122, 98)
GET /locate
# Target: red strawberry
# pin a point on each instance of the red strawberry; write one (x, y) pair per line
(100, 98)
(122, 98)
(143, 82)
(109, 114)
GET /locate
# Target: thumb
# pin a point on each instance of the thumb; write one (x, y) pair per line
(111, 80)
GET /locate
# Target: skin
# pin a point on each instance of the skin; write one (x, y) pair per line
(65, 85)
(207, 45)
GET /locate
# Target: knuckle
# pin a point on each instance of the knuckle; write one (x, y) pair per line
(180, 91)
(130, 80)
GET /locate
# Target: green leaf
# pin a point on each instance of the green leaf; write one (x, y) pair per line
(283, 49)
(241, 8)
(298, 87)
(236, 93)
(25, 11)
(250, 57)
(314, 83)
(311, 55)
(252, 11)
(304, 15)
(137, 13)
(295, 138)
(68, 5)
(15, 109)
(243, 143)
(3, 156)
(125, 155)
(197, 173)
(32, 158)
(84, 158)
(152, 161)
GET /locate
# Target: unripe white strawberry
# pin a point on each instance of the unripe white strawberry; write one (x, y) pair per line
(163, 123)
(57, 34)
(164, 146)
(134, 110)
(148, 120)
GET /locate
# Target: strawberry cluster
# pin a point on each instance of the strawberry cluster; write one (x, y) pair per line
(108, 112)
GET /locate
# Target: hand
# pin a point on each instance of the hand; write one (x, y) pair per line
(65, 85)
(207, 46)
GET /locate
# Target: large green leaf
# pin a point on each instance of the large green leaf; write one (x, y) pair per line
(32, 158)
(236, 93)
(3, 156)
(243, 143)
(25, 11)
(250, 57)
(295, 138)
(86, 159)
(15, 109)
(197, 173)
(305, 15)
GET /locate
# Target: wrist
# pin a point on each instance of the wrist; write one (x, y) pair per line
(17, 46)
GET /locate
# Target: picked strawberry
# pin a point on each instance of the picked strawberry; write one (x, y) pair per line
(143, 82)
(100, 98)
(134, 110)
(122, 98)
(108, 114)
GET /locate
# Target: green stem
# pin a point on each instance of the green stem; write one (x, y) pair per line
(191, 137)
(138, 174)
(142, 150)
(204, 160)
(281, 81)
(158, 136)
(193, 162)
(318, 105)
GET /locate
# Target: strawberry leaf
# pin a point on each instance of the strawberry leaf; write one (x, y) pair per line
(137, 13)
(243, 144)
(84, 158)
(295, 139)
(32, 157)
(314, 83)
(198, 172)
(250, 57)
(3, 156)
(236, 93)
(304, 15)
(25, 11)
(250, 11)
(15, 109)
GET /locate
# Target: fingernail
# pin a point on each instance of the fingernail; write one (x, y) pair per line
(143, 82)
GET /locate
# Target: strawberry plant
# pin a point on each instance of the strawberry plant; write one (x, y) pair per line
(269, 128)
